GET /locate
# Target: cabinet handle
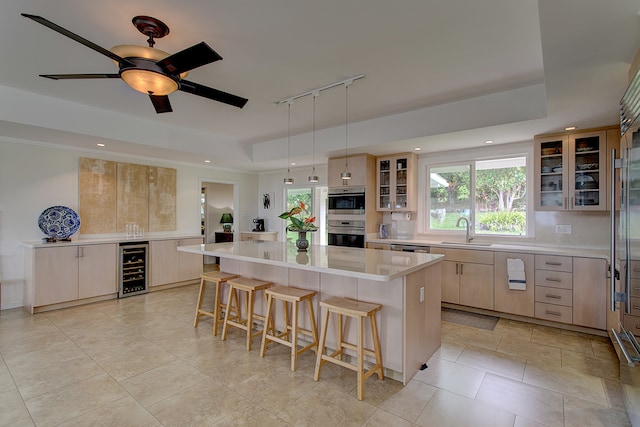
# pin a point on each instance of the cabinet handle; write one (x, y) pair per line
(636, 288)
(552, 279)
(81, 254)
(565, 203)
(553, 296)
(457, 266)
(572, 205)
(553, 263)
(461, 268)
(636, 269)
(553, 313)
(635, 307)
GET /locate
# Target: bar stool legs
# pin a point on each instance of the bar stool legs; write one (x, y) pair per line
(359, 311)
(250, 286)
(218, 278)
(289, 336)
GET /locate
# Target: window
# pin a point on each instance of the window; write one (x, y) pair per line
(315, 198)
(491, 194)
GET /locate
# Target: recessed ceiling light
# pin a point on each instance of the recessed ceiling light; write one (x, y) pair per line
(293, 163)
(571, 128)
(489, 141)
(417, 149)
(207, 161)
(101, 145)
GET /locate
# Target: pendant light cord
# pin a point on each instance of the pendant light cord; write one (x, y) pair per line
(346, 126)
(289, 142)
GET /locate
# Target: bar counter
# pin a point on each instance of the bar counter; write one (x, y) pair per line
(406, 284)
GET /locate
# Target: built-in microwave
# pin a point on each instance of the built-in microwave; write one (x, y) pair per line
(346, 200)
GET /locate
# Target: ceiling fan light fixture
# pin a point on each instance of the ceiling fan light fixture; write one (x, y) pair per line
(149, 82)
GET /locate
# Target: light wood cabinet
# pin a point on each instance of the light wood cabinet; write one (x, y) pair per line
(467, 277)
(258, 235)
(571, 170)
(168, 265)
(375, 245)
(590, 292)
(510, 300)
(68, 273)
(554, 284)
(397, 183)
(357, 165)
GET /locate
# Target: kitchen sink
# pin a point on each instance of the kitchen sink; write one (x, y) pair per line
(467, 243)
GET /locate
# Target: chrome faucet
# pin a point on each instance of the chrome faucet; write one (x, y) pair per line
(466, 220)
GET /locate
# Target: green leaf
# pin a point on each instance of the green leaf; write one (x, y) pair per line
(296, 222)
(284, 215)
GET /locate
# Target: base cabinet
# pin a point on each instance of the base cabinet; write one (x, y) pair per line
(68, 273)
(506, 300)
(467, 277)
(590, 292)
(168, 265)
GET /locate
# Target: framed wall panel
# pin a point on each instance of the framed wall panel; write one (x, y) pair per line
(162, 199)
(132, 196)
(97, 196)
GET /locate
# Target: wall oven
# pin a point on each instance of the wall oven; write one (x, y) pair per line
(346, 200)
(346, 233)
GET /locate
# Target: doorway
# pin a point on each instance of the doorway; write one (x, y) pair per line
(216, 199)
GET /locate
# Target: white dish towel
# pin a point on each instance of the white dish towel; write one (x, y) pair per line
(515, 271)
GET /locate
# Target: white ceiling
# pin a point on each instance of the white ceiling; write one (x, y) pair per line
(439, 74)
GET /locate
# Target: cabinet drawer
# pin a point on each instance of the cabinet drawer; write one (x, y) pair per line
(634, 269)
(635, 306)
(634, 287)
(557, 313)
(465, 255)
(632, 324)
(554, 295)
(554, 263)
(554, 279)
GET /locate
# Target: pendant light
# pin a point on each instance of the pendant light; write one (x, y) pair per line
(313, 177)
(288, 180)
(346, 175)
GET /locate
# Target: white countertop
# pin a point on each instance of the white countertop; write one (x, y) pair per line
(369, 264)
(113, 239)
(528, 248)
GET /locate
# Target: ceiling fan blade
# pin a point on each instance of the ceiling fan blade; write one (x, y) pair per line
(211, 93)
(80, 76)
(161, 103)
(192, 57)
(81, 40)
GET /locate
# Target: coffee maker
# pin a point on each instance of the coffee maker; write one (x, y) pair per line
(259, 224)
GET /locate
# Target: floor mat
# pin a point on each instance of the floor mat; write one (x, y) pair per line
(460, 317)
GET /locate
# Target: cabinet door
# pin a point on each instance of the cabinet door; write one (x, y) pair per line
(56, 275)
(97, 270)
(550, 171)
(476, 285)
(384, 184)
(508, 300)
(587, 171)
(450, 282)
(357, 166)
(590, 292)
(405, 183)
(190, 264)
(164, 262)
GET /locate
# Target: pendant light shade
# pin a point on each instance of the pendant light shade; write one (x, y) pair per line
(288, 180)
(313, 177)
(346, 175)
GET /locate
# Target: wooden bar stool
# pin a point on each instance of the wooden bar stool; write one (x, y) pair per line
(250, 286)
(358, 310)
(218, 278)
(289, 336)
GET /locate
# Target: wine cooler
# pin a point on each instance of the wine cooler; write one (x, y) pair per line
(133, 268)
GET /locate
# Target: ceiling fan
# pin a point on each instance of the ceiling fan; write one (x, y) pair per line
(148, 70)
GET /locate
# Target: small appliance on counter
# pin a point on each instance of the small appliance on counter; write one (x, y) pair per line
(259, 224)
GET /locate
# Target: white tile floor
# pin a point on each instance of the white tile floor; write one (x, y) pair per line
(139, 361)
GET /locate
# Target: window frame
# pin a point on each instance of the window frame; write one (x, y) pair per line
(470, 157)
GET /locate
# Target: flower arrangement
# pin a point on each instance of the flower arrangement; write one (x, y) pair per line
(299, 222)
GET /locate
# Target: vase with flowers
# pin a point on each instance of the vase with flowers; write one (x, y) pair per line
(301, 222)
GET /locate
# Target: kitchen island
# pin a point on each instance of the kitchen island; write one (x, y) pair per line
(406, 284)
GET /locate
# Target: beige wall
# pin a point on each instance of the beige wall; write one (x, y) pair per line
(34, 177)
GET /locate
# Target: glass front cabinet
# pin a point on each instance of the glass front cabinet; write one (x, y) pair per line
(571, 172)
(396, 183)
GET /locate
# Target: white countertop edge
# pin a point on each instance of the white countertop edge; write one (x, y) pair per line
(433, 259)
(115, 239)
(535, 249)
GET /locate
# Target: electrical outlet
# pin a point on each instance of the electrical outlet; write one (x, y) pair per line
(422, 294)
(563, 228)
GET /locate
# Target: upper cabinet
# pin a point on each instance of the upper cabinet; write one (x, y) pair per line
(397, 183)
(359, 166)
(571, 171)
